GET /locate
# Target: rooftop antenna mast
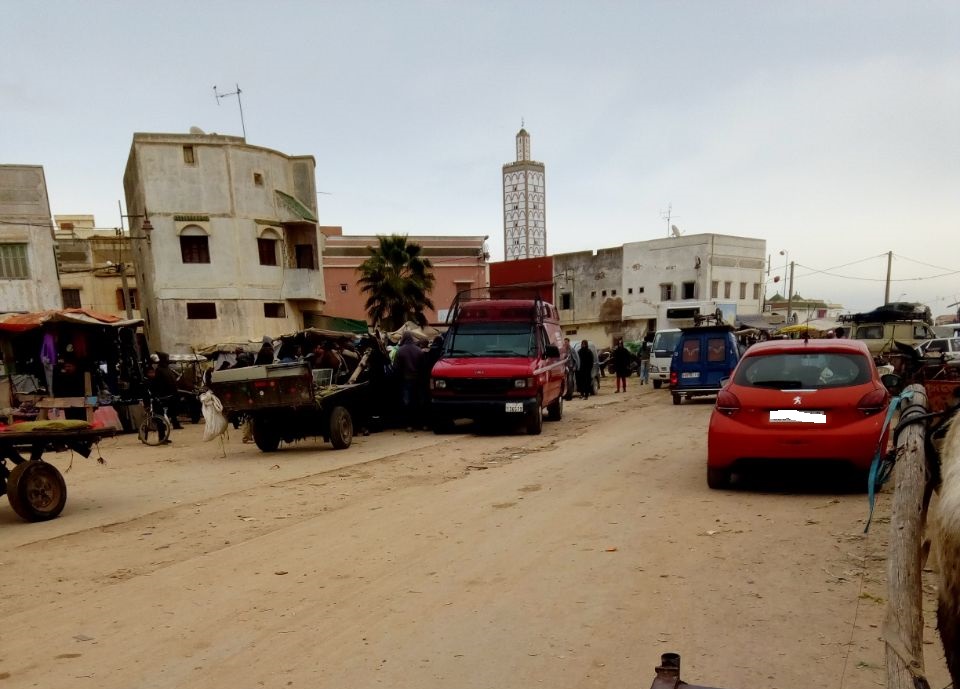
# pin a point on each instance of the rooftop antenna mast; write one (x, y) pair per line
(666, 216)
(236, 93)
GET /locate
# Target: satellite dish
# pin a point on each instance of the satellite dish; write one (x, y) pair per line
(197, 130)
(674, 230)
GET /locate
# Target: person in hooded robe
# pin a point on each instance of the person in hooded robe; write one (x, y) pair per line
(266, 355)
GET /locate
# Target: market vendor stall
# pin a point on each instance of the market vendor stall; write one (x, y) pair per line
(66, 363)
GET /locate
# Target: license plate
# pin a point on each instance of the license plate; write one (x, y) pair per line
(514, 407)
(690, 374)
(797, 416)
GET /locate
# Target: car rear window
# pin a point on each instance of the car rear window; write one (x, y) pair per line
(807, 370)
(716, 349)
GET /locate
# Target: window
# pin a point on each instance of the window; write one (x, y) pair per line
(188, 156)
(690, 354)
(71, 298)
(603, 293)
(201, 310)
(274, 310)
(756, 294)
(566, 301)
(743, 290)
(613, 293)
(13, 262)
(689, 290)
(593, 295)
(134, 299)
(194, 249)
(726, 289)
(267, 248)
(640, 290)
(258, 179)
(666, 291)
(304, 254)
(629, 290)
(343, 288)
(716, 349)
(714, 289)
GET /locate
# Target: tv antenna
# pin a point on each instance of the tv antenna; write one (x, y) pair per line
(671, 229)
(236, 93)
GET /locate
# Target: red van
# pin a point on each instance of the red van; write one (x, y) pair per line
(501, 361)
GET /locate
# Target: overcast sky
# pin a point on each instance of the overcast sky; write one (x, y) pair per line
(830, 129)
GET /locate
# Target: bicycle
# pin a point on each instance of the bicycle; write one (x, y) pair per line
(156, 426)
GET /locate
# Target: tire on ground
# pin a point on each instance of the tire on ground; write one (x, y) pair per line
(535, 420)
(341, 428)
(265, 435)
(36, 491)
(555, 410)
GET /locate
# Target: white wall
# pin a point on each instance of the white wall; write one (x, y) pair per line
(700, 259)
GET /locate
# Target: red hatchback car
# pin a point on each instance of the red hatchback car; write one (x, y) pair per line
(798, 400)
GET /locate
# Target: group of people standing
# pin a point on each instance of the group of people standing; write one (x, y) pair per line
(581, 362)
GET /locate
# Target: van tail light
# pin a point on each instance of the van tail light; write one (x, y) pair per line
(727, 403)
(873, 402)
(674, 379)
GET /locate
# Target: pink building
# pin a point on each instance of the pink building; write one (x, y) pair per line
(459, 263)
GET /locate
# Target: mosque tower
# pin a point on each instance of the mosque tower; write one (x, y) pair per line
(524, 205)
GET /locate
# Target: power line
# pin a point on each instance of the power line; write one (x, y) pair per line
(814, 271)
(928, 265)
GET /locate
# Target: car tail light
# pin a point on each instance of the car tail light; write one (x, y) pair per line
(673, 379)
(873, 402)
(727, 403)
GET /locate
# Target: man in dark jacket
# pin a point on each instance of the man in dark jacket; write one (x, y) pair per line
(164, 385)
(621, 364)
(409, 364)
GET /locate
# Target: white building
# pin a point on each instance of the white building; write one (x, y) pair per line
(524, 205)
(28, 264)
(666, 282)
(232, 251)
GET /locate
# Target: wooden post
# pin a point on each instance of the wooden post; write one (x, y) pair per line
(903, 626)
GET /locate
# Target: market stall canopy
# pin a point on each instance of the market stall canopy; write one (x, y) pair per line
(817, 325)
(22, 322)
(757, 321)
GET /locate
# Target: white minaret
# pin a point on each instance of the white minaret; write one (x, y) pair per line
(524, 205)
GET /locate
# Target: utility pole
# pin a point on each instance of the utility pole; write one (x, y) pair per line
(886, 292)
(790, 296)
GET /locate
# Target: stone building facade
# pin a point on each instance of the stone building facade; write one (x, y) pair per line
(28, 264)
(96, 267)
(231, 251)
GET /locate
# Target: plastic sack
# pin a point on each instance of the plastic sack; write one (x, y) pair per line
(216, 422)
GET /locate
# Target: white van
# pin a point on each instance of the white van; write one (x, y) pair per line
(664, 342)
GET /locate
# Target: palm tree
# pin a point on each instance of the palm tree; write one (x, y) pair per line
(397, 281)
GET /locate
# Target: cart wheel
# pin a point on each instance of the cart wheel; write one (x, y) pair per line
(341, 428)
(265, 436)
(155, 430)
(36, 491)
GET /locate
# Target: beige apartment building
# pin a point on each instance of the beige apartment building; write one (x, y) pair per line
(96, 267)
(224, 237)
(28, 264)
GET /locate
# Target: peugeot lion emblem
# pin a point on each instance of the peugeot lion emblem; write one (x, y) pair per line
(479, 372)
(796, 400)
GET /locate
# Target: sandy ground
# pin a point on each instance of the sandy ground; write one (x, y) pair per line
(571, 559)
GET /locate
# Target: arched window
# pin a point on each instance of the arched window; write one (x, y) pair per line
(194, 247)
(267, 247)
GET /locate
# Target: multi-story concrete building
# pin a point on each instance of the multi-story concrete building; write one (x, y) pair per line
(666, 282)
(631, 290)
(459, 263)
(231, 250)
(524, 205)
(96, 267)
(28, 264)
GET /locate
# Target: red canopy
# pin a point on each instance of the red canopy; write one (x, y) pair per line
(22, 322)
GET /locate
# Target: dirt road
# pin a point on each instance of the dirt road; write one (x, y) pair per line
(570, 559)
